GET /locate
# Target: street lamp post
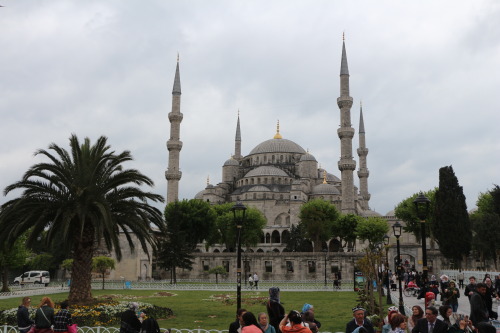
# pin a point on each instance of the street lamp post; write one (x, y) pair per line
(422, 204)
(326, 254)
(386, 244)
(239, 216)
(396, 228)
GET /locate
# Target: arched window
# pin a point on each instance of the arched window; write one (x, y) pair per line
(276, 237)
(273, 160)
(285, 236)
(268, 238)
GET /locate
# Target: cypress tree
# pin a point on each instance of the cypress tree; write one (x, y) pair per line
(451, 228)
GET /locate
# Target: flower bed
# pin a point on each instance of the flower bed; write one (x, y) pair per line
(100, 313)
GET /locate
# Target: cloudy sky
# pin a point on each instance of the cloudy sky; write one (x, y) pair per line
(427, 73)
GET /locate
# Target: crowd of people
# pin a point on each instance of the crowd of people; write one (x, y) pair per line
(46, 320)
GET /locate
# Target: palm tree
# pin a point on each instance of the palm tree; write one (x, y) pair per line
(82, 198)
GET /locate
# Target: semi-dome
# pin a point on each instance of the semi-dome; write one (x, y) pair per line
(278, 146)
(370, 213)
(259, 188)
(231, 162)
(199, 195)
(266, 171)
(327, 189)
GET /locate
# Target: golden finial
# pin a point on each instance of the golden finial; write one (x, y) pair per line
(208, 180)
(278, 135)
(343, 35)
(324, 176)
(177, 56)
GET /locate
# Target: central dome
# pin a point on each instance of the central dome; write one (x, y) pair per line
(278, 146)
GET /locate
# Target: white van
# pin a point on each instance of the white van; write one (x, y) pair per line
(37, 277)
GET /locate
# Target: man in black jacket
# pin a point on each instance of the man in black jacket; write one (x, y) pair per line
(430, 324)
(478, 308)
(359, 320)
(235, 327)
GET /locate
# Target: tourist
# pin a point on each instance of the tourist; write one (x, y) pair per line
(460, 277)
(256, 280)
(63, 318)
(497, 286)
(309, 308)
(130, 323)
(359, 320)
(443, 285)
(250, 324)
(488, 298)
(417, 314)
(451, 294)
(430, 323)
(445, 314)
(275, 310)
(295, 321)
(398, 323)
(309, 321)
(24, 322)
(250, 281)
(44, 316)
(264, 323)
(478, 308)
(463, 325)
(387, 320)
(235, 327)
(149, 324)
(471, 287)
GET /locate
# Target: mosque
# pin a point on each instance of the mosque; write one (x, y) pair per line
(277, 177)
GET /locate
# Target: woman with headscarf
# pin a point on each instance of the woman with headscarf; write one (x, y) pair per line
(275, 310)
(129, 321)
(23, 317)
(44, 316)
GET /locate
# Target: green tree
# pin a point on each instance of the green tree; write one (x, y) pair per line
(225, 231)
(81, 197)
(296, 241)
(345, 228)
(101, 264)
(406, 212)
(217, 270)
(11, 258)
(372, 229)
(318, 217)
(451, 217)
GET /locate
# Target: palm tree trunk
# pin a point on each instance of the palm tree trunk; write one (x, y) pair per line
(81, 277)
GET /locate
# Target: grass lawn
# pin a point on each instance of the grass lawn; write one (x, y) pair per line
(199, 309)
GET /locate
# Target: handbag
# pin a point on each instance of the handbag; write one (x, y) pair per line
(73, 328)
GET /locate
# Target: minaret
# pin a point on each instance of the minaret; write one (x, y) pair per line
(363, 172)
(174, 144)
(237, 142)
(347, 164)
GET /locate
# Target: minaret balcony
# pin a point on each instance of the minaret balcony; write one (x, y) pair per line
(362, 151)
(174, 145)
(344, 102)
(175, 117)
(173, 175)
(363, 173)
(347, 164)
(345, 132)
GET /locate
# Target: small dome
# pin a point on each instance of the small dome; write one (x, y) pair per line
(370, 213)
(278, 146)
(199, 195)
(307, 157)
(266, 171)
(259, 188)
(325, 189)
(391, 213)
(329, 177)
(231, 162)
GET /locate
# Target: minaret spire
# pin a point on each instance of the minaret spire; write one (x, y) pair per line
(237, 141)
(363, 172)
(174, 144)
(346, 164)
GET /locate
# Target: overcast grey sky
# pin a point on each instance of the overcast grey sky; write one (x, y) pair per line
(427, 73)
